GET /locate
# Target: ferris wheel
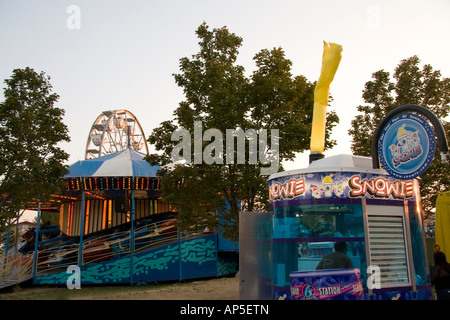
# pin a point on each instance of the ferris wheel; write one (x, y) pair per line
(115, 130)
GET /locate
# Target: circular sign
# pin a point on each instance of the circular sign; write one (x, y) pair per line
(406, 146)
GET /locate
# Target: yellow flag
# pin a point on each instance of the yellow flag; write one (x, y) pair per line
(330, 62)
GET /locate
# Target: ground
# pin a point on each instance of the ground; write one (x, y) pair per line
(209, 289)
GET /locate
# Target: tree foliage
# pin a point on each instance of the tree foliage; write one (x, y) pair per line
(30, 129)
(411, 84)
(220, 96)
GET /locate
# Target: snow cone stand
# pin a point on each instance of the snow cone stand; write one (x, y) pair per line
(343, 228)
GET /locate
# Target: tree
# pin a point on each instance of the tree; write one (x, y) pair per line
(219, 96)
(30, 129)
(410, 85)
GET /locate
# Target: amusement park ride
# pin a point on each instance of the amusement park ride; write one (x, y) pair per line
(113, 225)
(115, 130)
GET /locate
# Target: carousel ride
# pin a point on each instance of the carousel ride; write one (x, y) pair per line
(113, 223)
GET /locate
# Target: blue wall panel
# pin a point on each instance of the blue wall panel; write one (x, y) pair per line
(199, 259)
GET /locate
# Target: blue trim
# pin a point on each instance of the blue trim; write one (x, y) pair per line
(298, 202)
(7, 237)
(381, 202)
(216, 242)
(132, 238)
(319, 239)
(179, 257)
(36, 240)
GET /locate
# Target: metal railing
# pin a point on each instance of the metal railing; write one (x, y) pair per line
(58, 255)
(15, 268)
(106, 247)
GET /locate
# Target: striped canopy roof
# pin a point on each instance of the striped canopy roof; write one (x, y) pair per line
(125, 163)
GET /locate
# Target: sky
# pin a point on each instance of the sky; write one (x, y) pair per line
(107, 55)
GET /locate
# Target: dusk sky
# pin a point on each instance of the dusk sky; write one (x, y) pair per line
(122, 54)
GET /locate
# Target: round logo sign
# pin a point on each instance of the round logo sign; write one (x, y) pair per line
(406, 146)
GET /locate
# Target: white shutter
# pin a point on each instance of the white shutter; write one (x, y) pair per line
(387, 248)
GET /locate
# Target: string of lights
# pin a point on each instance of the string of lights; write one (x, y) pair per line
(112, 183)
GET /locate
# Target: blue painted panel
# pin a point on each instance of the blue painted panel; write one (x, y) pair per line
(198, 257)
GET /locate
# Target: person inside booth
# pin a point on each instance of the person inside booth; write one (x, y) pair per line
(336, 260)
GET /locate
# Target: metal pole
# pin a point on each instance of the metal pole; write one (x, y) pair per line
(17, 232)
(80, 248)
(36, 241)
(7, 235)
(7, 245)
(217, 252)
(179, 254)
(7, 238)
(132, 238)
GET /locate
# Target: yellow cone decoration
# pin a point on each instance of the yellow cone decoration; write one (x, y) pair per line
(442, 222)
(330, 62)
